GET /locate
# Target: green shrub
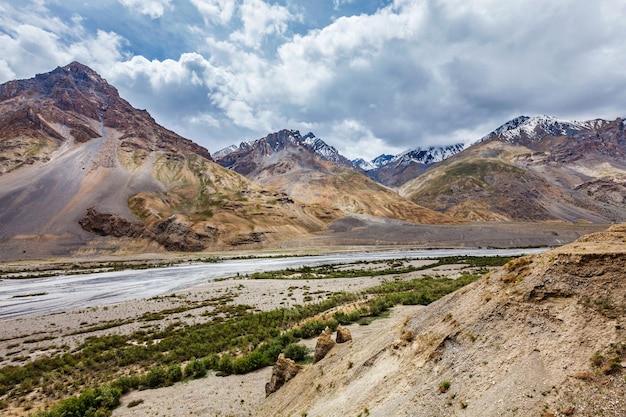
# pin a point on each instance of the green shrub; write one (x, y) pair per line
(92, 402)
(195, 369)
(225, 365)
(156, 377)
(296, 352)
(174, 373)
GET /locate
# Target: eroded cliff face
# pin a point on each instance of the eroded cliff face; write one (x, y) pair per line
(544, 335)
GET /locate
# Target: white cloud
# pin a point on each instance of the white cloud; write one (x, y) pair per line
(260, 20)
(216, 11)
(5, 70)
(417, 72)
(338, 3)
(152, 8)
(357, 141)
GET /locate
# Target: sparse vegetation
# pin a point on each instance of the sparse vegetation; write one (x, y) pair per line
(233, 340)
(444, 386)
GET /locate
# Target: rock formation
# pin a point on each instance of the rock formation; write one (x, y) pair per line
(284, 370)
(324, 344)
(343, 335)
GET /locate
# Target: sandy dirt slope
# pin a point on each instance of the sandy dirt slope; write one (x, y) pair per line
(521, 342)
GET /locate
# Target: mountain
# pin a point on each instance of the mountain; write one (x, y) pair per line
(225, 151)
(542, 336)
(406, 166)
(81, 168)
(379, 161)
(234, 157)
(533, 169)
(363, 164)
(306, 168)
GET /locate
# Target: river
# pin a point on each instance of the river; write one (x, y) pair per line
(30, 297)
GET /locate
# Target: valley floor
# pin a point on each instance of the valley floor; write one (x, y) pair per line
(28, 338)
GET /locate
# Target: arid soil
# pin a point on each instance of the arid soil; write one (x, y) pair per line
(543, 336)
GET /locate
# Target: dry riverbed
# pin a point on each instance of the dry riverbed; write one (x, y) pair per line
(26, 338)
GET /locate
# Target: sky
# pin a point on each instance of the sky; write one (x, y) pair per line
(368, 77)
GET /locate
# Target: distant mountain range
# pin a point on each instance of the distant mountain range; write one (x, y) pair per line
(533, 169)
(395, 171)
(387, 169)
(308, 169)
(81, 168)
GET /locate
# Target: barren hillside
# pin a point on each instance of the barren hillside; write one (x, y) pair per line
(80, 168)
(543, 336)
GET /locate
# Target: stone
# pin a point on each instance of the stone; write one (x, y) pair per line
(323, 346)
(284, 370)
(343, 335)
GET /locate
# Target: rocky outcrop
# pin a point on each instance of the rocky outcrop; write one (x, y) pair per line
(284, 370)
(105, 224)
(323, 346)
(343, 335)
(174, 234)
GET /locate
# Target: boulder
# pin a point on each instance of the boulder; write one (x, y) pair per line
(323, 346)
(343, 335)
(284, 370)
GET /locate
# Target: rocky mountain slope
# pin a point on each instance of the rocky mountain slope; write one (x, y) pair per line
(77, 162)
(543, 336)
(533, 169)
(306, 168)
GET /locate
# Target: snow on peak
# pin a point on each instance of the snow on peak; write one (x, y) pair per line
(537, 127)
(324, 150)
(382, 160)
(363, 164)
(430, 155)
(223, 152)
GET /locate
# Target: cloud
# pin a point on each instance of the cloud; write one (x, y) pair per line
(152, 8)
(358, 140)
(216, 11)
(338, 3)
(372, 77)
(260, 20)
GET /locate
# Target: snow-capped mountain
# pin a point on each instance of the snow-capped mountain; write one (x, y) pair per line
(533, 169)
(323, 150)
(379, 161)
(363, 164)
(430, 155)
(307, 169)
(278, 141)
(382, 160)
(537, 127)
(395, 170)
(223, 152)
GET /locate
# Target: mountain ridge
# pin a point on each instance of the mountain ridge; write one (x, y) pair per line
(532, 169)
(308, 169)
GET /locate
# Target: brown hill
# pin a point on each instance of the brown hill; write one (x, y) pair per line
(287, 162)
(543, 336)
(69, 143)
(532, 169)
